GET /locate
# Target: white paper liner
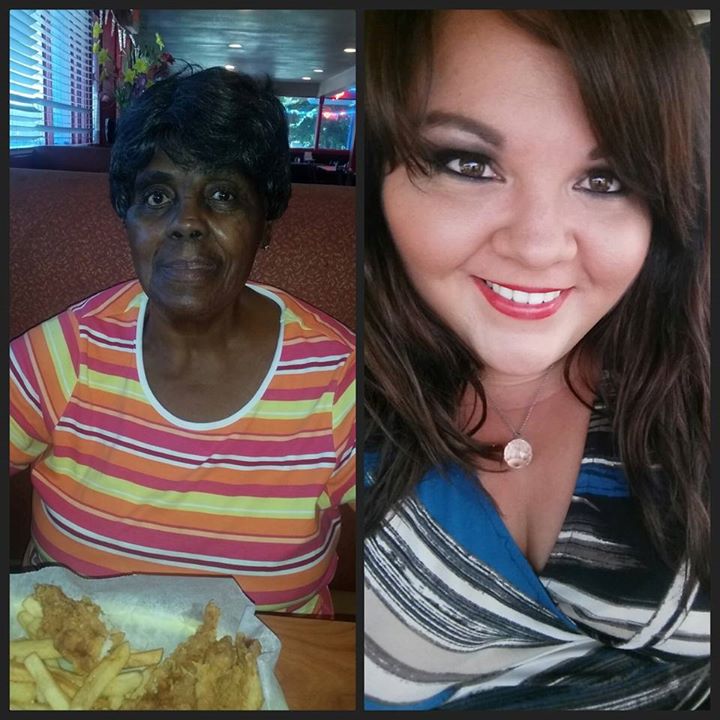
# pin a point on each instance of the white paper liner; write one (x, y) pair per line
(161, 611)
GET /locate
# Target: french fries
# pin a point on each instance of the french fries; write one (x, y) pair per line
(41, 678)
(20, 649)
(100, 677)
(46, 687)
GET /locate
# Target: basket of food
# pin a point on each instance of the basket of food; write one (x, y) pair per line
(138, 642)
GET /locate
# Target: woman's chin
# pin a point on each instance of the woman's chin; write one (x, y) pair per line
(521, 362)
(188, 307)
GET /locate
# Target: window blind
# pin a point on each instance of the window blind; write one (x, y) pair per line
(51, 79)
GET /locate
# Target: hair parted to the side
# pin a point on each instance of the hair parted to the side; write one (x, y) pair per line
(212, 118)
(653, 346)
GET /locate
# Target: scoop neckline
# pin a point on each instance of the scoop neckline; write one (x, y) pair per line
(246, 408)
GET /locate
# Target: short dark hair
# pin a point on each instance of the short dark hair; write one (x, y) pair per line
(212, 118)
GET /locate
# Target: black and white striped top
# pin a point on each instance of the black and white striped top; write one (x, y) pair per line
(456, 617)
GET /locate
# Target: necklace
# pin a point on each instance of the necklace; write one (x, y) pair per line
(518, 452)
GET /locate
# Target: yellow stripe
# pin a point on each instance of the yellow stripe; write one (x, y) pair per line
(25, 443)
(296, 508)
(62, 362)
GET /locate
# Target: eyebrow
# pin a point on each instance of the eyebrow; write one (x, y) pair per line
(473, 126)
(153, 176)
(483, 130)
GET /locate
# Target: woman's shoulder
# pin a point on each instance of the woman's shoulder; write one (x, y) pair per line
(113, 302)
(117, 299)
(303, 318)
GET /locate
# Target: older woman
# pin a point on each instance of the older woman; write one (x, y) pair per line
(537, 361)
(191, 421)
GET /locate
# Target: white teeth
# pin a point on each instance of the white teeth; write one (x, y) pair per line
(524, 298)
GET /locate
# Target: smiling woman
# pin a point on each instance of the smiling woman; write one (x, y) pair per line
(537, 375)
(191, 421)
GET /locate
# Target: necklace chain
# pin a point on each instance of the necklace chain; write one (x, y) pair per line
(518, 433)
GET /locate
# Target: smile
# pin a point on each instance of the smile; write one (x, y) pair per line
(521, 296)
(523, 303)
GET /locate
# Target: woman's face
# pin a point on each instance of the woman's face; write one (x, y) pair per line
(521, 239)
(193, 237)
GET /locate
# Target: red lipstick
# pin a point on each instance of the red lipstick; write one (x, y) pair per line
(522, 311)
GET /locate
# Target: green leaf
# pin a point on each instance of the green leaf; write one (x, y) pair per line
(129, 76)
(96, 47)
(96, 30)
(159, 41)
(141, 65)
(103, 56)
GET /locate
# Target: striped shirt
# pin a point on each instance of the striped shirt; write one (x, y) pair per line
(121, 485)
(456, 617)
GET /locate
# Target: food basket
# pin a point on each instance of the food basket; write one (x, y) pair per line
(161, 611)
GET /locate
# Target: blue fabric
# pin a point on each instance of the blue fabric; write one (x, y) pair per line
(457, 503)
(602, 480)
(429, 704)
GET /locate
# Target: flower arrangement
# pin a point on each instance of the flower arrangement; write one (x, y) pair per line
(141, 67)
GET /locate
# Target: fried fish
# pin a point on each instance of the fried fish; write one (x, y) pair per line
(204, 673)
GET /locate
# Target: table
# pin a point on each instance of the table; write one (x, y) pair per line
(316, 668)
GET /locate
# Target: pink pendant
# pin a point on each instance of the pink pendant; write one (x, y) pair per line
(518, 453)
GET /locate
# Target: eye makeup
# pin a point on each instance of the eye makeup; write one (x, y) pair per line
(613, 186)
(463, 164)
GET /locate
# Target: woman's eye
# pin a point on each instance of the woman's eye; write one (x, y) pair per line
(156, 198)
(476, 168)
(222, 196)
(601, 182)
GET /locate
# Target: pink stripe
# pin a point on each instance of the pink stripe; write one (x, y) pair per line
(193, 483)
(214, 560)
(299, 351)
(217, 444)
(19, 380)
(104, 298)
(109, 368)
(71, 341)
(83, 567)
(76, 564)
(87, 332)
(274, 597)
(344, 382)
(22, 420)
(193, 541)
(291, 395)
(314, 365)
(124, 334)
(19, 348)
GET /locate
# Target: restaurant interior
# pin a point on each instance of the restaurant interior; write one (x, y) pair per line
(71, 74)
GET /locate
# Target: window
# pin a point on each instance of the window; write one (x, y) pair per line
(337, 124)
(302, 115)
(51, 77)
(335, 113)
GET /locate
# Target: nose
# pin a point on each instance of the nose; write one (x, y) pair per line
(538, 231)
(188, 220)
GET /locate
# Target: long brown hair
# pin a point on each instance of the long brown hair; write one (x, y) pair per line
(644, 80)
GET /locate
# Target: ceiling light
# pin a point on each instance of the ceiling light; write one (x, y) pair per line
(235, 45)
(318, 70)
(305, 77)
(349, 50)
(229, 67)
